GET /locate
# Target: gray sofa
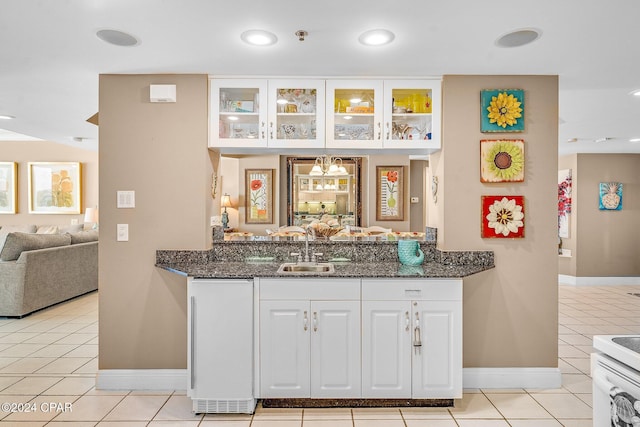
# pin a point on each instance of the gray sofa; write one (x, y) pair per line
(39, 270)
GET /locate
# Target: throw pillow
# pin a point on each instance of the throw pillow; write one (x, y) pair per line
(73, 228)
(84, 236)
(47, 229)
(17, 242)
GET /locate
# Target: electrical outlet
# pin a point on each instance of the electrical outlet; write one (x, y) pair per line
(415, 200)
(74, 221)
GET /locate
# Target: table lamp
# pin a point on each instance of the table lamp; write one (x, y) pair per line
(226, 203)
(91, 216)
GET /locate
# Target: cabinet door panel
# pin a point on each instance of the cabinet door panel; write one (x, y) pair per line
(335, 349)
(386, 358)
(284, 348)
(436, 366)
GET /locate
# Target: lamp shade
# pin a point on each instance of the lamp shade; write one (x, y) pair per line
(91, 215)
(226, 201)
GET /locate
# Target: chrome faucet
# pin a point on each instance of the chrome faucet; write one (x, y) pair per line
(306, 242)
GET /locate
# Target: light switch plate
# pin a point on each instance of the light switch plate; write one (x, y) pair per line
(216, 220)
(122, 233)
(126, 200)
(74, 221)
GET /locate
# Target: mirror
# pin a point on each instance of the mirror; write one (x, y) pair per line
(324, 186)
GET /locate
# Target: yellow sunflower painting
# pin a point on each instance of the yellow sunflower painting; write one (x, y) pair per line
(502, 160)
(502, 110)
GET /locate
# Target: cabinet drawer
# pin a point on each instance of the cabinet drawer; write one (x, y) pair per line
(309, 289)
(409, 289)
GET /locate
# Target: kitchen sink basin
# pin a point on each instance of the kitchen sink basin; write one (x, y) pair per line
(311, 268)
(632, 343)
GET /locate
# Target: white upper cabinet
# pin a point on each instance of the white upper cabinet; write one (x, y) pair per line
(296, 113)
(412, 114)
(238, 118)
(354, 114)
(347, 114)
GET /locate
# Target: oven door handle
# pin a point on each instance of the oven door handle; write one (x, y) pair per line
(601, 381)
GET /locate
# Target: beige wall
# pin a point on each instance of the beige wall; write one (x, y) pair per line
(23, 152)
(510, 312)
(603, 243)
(159, 151)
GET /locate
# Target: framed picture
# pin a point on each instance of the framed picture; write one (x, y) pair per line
(610, 196)
(389, 193)
(8, 188)
(564, 202)
(55, 187)
(259, 196)
(502, 160)
(502, 216)
(502, 110)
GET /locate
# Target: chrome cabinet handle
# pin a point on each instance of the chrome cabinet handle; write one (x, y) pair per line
(193, 342)
(306, 321)
(388, 130)
(407, 321)
(271, 130)
(315, 321)
(262, 130)
(417, 342)
(379, 130)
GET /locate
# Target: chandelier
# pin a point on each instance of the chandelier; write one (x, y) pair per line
(328, 165)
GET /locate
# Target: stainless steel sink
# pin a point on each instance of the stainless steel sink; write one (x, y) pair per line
(632, 343)
(320, 267)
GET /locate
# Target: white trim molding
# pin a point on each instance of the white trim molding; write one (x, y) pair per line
(141, 379)
(536, 378)
(598, 281)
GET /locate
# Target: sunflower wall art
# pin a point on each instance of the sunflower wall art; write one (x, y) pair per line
(502, 110)
(502, 160)
(502, 216)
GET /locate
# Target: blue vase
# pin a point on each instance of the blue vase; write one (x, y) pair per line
(409, 252)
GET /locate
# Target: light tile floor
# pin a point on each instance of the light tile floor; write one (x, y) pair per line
(48, 363)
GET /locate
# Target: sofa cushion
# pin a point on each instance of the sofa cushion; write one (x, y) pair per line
(84, 236)
(18, 242)
(6, 229)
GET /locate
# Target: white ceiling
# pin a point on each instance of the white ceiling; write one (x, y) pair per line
(50, 57)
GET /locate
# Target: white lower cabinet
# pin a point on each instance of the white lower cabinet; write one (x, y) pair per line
(412, 338)
(310, 338)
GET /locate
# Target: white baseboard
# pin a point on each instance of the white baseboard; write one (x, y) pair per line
(597, 281)
(141, 379)
(538, 378)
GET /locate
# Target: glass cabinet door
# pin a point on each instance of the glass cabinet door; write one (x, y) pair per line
(412, 114)
(354, 114)
(296, 113)
(237, 119)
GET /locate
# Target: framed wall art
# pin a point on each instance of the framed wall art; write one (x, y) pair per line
(390, 193)
(610, 196)
(564, 202)
(502, 110)
(502, 160)
(259, 196)
(8, 187)
(502, 216)
(55, 187)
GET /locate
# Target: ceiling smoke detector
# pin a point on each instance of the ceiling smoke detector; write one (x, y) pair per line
(517, 38)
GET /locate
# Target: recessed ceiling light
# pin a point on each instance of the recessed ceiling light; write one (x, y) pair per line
(258, 37)
(117, 38)
(634, 140)
(6, 117)
(519, 37)
(635, 92)
(572, 140)
(376, 37)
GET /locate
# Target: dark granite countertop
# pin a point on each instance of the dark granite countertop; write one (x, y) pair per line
(246, 260)
(248, 270)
